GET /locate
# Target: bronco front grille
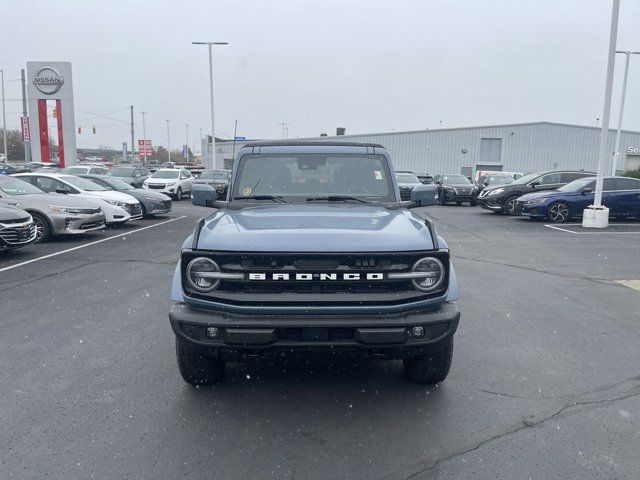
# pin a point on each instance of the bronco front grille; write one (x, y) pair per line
(331, 279)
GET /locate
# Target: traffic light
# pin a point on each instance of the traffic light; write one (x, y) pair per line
(55, 113)
(94, 129)
(79, 129)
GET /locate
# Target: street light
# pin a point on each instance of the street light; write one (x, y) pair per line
(213, 132)
(144, 136)
(168, 141)
(616, 152)
(597, 216)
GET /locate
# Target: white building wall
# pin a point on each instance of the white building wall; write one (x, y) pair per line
(525, 147)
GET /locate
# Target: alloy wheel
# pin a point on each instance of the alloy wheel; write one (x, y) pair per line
(558, 212)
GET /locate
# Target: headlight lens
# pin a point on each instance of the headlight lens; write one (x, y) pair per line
(198, 276)
(434, 274)
(535, 201)
(116, 203)
(497, 191)
(69, 210)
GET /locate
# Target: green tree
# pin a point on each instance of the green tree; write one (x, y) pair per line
(632, 173)
(15, 147)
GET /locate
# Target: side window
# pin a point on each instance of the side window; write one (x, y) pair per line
(627, 184)
(570, 176)
(184, 174)
(609, 184)
(550, 179)
(50, 185)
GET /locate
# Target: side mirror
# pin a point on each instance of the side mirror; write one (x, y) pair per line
(424, 195)
(486, 184)
(585, 190)
(62, 190)
(534, 184)
(203, 195)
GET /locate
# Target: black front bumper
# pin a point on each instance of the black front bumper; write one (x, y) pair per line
(242, 336)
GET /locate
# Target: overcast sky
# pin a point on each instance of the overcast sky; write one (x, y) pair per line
(367, 65)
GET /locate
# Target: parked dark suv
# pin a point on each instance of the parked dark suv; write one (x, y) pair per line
(502, 198)
(455, 188)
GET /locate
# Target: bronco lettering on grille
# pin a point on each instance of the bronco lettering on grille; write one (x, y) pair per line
(316, 276)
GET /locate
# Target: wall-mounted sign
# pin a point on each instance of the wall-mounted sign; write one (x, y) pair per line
(633, 150)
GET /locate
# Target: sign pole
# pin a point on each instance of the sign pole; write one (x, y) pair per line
(133, 145)
(25, 121)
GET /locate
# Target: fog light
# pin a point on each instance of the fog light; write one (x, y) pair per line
(212, 332)
(417, 332)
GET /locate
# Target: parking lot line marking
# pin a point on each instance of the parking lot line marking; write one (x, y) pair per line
(635, 284)
(88, 244)
(603, 232)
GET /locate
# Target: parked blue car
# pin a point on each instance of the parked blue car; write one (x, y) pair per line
(621, 195)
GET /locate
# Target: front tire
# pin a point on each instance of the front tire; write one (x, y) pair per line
(432, 367)
(179, 194)
(558, 212)
(509, 205)
(198, 369)
(43, 228)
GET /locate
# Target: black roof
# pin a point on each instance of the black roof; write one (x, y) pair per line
(282, 143)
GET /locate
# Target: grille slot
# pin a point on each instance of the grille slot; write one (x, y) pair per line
(18, 235)
(405, 193)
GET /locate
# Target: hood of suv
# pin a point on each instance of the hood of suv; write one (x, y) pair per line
(315, 228)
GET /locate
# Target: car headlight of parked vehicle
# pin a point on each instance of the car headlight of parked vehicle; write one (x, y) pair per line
(497, 191)
(203, 274)
(432, 274)
(116, 203)
(69, 210)
(536, 201)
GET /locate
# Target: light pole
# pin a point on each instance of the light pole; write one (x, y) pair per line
(597, 216)
(168, 141)
(144, 136)
(616, 152)
(284, 125)
(211, 164)
(187, 144)
(4, 119)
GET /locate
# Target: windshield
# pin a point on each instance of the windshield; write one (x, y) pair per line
(166, 174)
(406, 178)
(578, 185)
(302, 176)
(526, 179)
(15, 186)
(84, 184)
(499, 180)
(121, 172)
(214, 174)
(74, 170)
(455, 179)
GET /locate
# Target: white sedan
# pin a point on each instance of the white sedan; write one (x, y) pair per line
(118, 207)
(175, 182)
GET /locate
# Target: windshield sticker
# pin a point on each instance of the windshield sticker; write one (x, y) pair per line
(246, 191)
(378, 175)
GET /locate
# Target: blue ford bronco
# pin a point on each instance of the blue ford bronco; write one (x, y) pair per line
(313, 251)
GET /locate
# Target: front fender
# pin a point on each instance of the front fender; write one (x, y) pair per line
(452, 292)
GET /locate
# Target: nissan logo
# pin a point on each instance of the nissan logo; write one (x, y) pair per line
(48, 81)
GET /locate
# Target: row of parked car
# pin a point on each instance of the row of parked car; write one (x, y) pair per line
(557, 196)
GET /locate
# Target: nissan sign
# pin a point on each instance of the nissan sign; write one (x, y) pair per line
(48, 81)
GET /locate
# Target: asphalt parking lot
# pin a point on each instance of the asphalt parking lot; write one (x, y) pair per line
(545, 380)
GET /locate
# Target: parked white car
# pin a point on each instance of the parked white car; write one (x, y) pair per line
(175, 182)
(118, 207)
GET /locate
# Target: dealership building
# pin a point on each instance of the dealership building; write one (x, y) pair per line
(522, 147)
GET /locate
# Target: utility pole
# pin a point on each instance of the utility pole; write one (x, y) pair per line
(133, 145)
(187, 152)
(4, 119)
(25, 120)
(235, 134)
(168, 141)
(144, 136)
(284, 124)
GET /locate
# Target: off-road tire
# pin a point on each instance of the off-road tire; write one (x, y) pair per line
(198, 369)
(432, 367)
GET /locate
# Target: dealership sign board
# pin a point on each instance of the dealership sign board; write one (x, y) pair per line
(633, 150)
(51, 82)
(145, 148)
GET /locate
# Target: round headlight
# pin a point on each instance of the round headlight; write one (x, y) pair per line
(199, 274)
(433, 274)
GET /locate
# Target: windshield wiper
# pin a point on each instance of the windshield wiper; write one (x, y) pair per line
(336, 198)
(275, 198)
